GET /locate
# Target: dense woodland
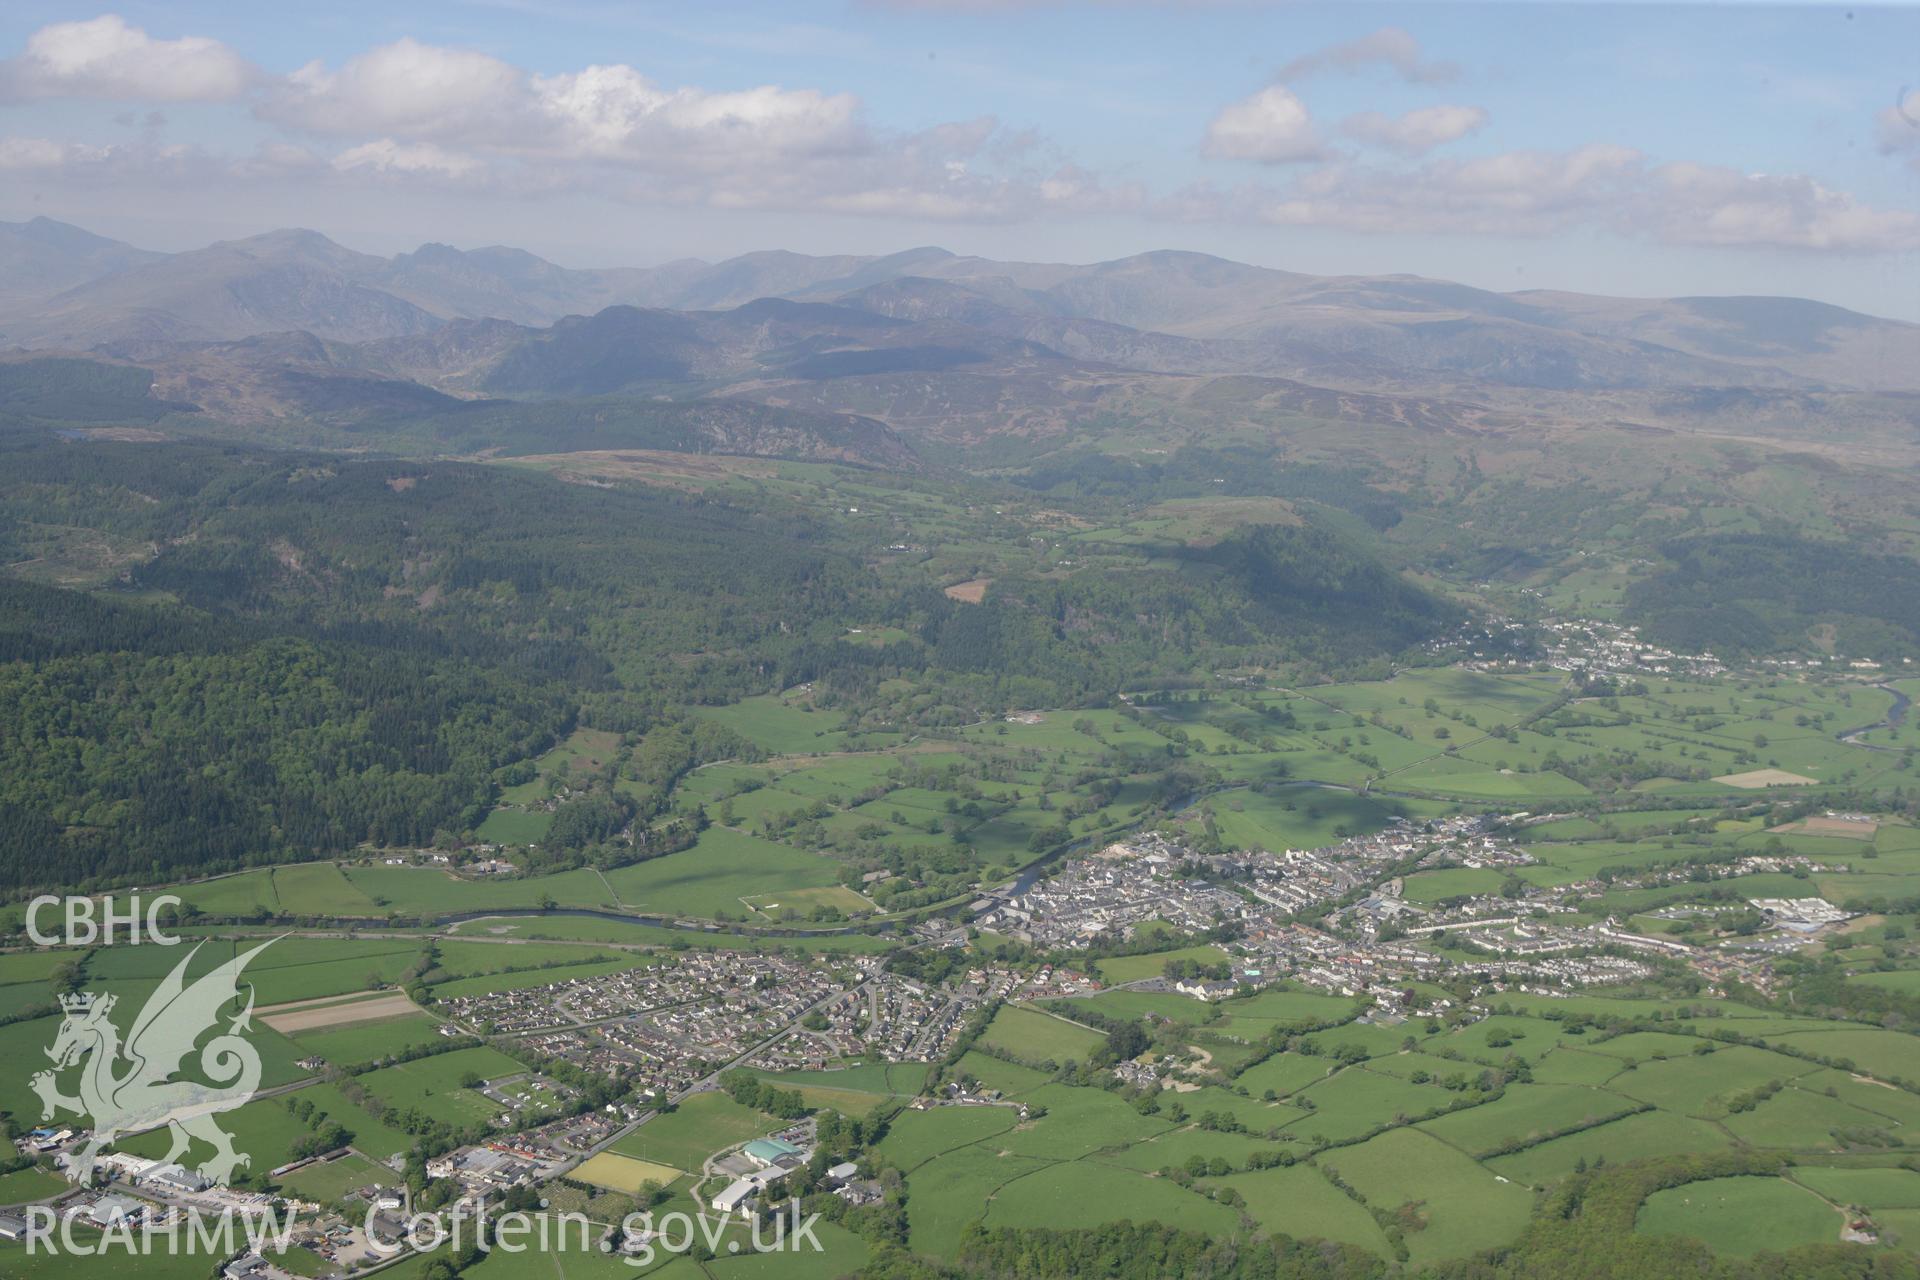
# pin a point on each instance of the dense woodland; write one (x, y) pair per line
(1759, 593)
(302, 653)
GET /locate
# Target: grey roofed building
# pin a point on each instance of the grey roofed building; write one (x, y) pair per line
(177, 1178)
(116, 1208)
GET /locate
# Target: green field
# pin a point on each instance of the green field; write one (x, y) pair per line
(1032, 1036)
(1740, 1215)
(31, 1184)
(432, 1085)
(685, 1137)
(369, 1041)
(1463, 1208)
(336, 1179)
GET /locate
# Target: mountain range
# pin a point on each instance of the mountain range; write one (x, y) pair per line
(290, 325)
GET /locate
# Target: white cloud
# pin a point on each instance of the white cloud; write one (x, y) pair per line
(405, 87)
(108, 166)
(604, 113)
(411, 113)
(615, 113)
(1900, 127)
(1700, 204)
(1416, 132)
(17, 153)
(1538, 193)
(435, 114)
(1391, 47)
(107, 59)
(1273, 127)
(384, 155)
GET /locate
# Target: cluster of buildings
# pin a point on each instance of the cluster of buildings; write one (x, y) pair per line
(1800, 915)
(1334, 918)
(497, 1166)
(1585, 646)
(890, 1018)
(760, 1164)
(666, 1026)
(1110, 894)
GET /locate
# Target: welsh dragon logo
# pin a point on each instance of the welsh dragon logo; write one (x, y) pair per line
(129, 1088)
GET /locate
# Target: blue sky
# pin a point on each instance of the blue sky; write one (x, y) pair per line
(1631, 148)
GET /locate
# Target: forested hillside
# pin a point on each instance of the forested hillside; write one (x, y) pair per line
(237, 656)
(1760, 593)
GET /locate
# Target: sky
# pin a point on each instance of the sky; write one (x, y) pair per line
(1635, 148)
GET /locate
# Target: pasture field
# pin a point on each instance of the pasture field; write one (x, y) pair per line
(1464, 1208)
(1036, 1037)
(1454, 882)
(712, 877)
(901, 1079)
(584, 752)
(514, 826)
(784, 724)
(842, 1253)
(855, 1091)
(1525, 1114)
(474, 959)
(1078, 1122)
(1172, 1149)
(193, 1262)
(1135, 1004)
(1133, 968)
(1351, 1102)
(371, 1041)
(319, 888)
(1283, 1073)
(533, 977)
(262, 1129)
(949, 1194)
(21, 967)
(24, 1185)
(1635, 1137)
(1740, 1216)
(582, 929)
(432, 1085)
(995, 1073)
(338, 1178)
(1297, 817)
(571, 1259)
(916, 1137)
(1885, 1054)
(1703, 1084)
(1081, 1193)
(370, 1135)
(1802, 1119)
(1300, 1202)
(799, 903)
(1868, 1188)
(684, 1137)
(433, 892)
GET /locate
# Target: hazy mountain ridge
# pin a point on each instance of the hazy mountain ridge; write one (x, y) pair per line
(1166, 311)
(41, 257)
